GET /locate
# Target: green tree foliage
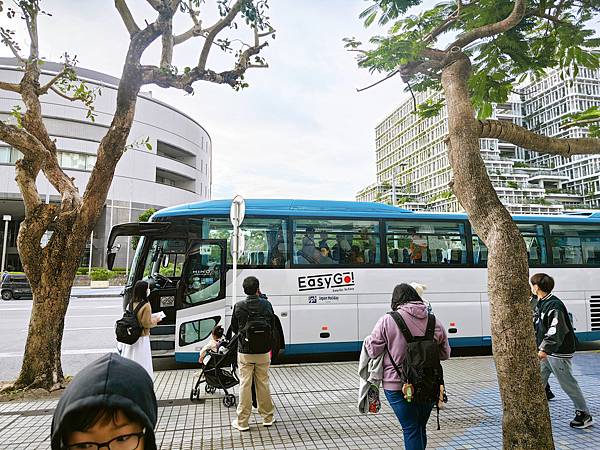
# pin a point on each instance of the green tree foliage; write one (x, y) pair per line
(589, 118)
(144, 217)
(552, 34)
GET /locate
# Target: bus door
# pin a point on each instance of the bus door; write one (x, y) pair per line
(200, 298)
(158, 260)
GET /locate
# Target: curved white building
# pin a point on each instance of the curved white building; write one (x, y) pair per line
(176, 170)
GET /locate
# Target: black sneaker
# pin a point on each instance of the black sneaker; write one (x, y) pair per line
(582, 420)
(549, 394)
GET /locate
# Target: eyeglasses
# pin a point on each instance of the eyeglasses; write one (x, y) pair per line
(124, 442)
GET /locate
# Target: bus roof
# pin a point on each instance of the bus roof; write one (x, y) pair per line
(341, 209)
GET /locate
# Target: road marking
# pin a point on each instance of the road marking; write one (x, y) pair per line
(89, 328)
(91, 315)
(84, 329)
(70, 308)
(83, 351)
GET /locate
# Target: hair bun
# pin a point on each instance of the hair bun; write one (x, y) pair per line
(420, 288)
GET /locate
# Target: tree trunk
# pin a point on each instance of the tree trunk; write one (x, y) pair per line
(51, 288)
(526, 418)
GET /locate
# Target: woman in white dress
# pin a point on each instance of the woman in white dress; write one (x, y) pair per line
(140, 351)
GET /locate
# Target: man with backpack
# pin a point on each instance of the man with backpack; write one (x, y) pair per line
(253, 320)
(413, 343)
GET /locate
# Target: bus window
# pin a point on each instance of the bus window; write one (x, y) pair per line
(480, 252)
(166, 257)
(265, 240)
(327, 242)
(575, 244)
(533, 234)
(202, 278)
(438, 243)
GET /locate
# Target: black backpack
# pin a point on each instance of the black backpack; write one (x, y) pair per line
(257, 333)
(128, 328)
(421, 366)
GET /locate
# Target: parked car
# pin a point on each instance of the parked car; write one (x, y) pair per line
(15, 286)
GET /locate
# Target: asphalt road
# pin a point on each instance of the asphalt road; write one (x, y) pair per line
(89, 332)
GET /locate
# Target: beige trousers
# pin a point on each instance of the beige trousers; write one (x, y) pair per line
(256, 366)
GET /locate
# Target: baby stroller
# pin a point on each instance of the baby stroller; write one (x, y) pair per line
(219, 373)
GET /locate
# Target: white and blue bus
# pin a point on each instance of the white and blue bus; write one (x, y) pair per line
(329, 267)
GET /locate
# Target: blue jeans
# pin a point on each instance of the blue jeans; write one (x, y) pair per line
(413, 419)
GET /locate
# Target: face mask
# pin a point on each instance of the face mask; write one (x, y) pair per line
(534, 290)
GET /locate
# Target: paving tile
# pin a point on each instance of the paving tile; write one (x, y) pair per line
(316, 409)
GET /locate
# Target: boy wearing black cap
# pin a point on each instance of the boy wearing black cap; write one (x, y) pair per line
(110, 403)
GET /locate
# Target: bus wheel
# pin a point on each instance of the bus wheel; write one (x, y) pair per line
(7, 295)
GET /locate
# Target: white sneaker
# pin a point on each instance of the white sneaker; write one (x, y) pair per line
(268, 424)
(238, 427)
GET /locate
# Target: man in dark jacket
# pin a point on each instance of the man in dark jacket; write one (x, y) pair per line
(555, 339)
(110, 402)
(534, 301)
(254, 320)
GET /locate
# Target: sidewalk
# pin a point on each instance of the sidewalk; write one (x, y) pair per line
(316, 409)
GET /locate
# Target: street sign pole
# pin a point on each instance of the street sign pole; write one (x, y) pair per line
(236, 214)
(6, 219)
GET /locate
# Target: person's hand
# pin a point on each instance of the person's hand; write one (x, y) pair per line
(542, 355)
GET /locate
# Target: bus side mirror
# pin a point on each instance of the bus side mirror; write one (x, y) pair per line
(110, 260)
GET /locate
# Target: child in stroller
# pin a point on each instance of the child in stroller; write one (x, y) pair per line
(219, 372)
(216, 339)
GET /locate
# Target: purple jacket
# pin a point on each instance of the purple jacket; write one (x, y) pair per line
(386, 331)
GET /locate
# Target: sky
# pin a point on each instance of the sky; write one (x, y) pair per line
(299, 131)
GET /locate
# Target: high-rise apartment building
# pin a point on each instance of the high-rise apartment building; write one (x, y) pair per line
(413, 167)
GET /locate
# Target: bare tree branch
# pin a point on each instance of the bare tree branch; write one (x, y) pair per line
(34, 152)
(128, 19)
(428, 67)
(30, 13)
(37, 221)
(166, 56)
(387, 77)
(194, 31)
(215, 30)
(492, 29)
(44, 89)
(444, 26)
(156, 4)
(193, 13)
(112, 145)
(7, 40)
(63, 95)
(12, 87)
(517, 135)
(152, 74)
(578, 123)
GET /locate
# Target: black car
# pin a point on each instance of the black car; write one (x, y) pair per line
(15, 286)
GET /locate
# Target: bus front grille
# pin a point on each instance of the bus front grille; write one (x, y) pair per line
(595, 312)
